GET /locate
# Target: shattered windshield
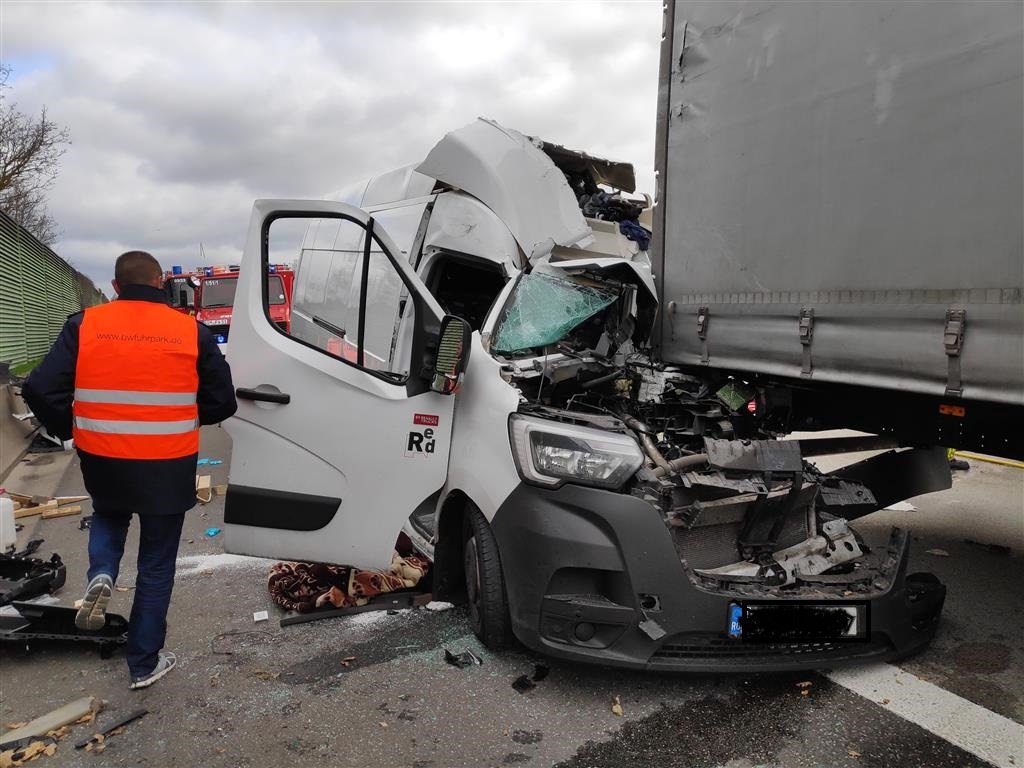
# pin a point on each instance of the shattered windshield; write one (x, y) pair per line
(544, 308)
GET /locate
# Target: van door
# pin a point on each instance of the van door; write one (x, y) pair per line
(338, 436)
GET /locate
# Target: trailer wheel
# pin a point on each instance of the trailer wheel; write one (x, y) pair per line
(485, 584)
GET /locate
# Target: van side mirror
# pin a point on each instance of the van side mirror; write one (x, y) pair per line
(452, 355)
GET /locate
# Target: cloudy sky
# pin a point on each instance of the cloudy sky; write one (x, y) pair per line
(181, 114)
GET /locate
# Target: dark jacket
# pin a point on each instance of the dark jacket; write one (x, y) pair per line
(156, 487)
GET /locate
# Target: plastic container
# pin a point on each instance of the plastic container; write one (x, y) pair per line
(8, 533)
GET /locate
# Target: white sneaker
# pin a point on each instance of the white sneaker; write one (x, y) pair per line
(164, 664)
(92, 615)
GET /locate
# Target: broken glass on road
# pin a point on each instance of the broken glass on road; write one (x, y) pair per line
(544, 308)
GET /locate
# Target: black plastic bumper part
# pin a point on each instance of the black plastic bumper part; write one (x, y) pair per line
(594, 576)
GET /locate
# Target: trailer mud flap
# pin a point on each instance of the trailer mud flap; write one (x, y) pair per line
(899, 475)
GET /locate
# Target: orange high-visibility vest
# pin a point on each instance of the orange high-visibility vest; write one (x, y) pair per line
(136, 382)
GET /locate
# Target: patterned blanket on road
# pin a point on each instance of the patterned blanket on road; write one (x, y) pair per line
(306, 587)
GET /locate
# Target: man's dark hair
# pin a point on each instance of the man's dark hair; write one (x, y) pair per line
(137, 268)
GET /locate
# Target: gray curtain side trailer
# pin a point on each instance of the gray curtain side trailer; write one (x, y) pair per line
(839, 212)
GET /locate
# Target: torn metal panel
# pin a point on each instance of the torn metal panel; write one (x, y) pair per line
(754, 455)
(504, 170)
(638, 269)
(460, 223)
(597, 169)
(835, 546)
(896, 476)
(400, 184)
(846, 499)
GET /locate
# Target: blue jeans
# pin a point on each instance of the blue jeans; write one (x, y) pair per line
(159, 536)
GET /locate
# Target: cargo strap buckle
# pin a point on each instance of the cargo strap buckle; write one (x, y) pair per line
(953, 341)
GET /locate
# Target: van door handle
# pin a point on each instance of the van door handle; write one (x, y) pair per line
(264, 395)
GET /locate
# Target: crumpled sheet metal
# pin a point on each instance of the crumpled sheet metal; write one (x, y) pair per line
(544, 309)
(515, 179)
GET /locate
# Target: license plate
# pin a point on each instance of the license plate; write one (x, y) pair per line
(798, 622)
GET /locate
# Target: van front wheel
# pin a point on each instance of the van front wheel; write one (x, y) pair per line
(485, 585)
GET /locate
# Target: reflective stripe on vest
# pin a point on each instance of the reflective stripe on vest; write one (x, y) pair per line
(136, 381)
(126, 396)
(136, 427)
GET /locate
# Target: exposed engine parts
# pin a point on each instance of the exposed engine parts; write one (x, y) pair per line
(748, 512)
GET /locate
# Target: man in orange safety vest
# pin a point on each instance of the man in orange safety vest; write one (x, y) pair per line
(132, 381)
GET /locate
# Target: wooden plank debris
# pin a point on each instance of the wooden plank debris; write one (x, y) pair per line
(36, 509)
(69, 713)
(62, 500)
(50, 514)
(204, 489)
(30, 506)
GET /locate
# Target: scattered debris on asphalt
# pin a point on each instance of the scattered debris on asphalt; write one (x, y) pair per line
(85, 523)
(220, 490)
(937, 552)
(211, 532)
(50, 514)
(51, 721)
(204, 491)
(462, 660)
(805, 687)
(617, 707)
(208, 462)
(259, 616)
(26, 505)
(524, 683)
(347, 661)
(23, 576)
(437, 606)
(113, 729)
(385, 602)
(38, 621)
(30, 548)
(901, 506)
(28, 749)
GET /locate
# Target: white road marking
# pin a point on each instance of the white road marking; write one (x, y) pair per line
(963, 723)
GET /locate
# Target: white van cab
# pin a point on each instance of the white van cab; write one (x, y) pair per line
(464, 362)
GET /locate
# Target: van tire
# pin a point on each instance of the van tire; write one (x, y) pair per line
(485, 585)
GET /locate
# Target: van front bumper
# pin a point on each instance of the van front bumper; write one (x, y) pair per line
(594, 576)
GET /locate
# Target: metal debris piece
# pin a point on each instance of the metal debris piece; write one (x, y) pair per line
(523, 683)
(100, 736)
(462, 660)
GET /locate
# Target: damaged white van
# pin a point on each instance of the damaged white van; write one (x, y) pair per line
(467, 359)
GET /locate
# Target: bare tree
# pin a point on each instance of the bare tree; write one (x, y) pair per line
(30, 149)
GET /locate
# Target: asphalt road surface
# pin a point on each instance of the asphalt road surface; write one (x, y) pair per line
(255, 694)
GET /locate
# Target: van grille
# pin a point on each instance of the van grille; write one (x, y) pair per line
(696, 646)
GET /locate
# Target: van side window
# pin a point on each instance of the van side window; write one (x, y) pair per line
(348, 301)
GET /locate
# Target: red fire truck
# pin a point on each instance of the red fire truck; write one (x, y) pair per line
(181, 289)
(215, 297)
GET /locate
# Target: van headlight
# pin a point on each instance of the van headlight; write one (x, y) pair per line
(551, 454)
